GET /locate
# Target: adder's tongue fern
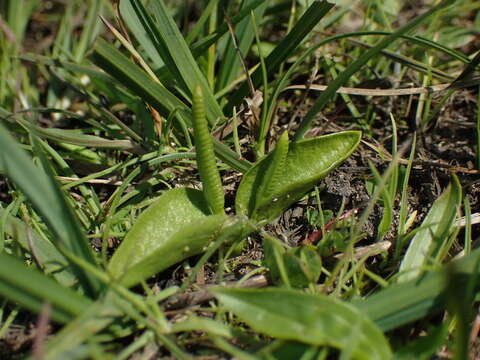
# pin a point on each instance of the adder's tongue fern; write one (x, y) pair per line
(212, 184)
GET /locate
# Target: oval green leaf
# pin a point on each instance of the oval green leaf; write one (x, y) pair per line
(312, 319)
(307, 162)
(173, 228)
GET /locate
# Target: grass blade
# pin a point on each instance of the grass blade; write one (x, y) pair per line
(230, 64)
(177, 55)
(49, 201)
(403, 303)
(285, 48)
(433, 232)
(48, 257)
(358, 64)
(129, 16)
(90, 30)
(94, 318)
(76, 137)
(32, 289)
(202, 45)
(131, 76)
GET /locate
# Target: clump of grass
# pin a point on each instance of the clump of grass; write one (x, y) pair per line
(146, 95)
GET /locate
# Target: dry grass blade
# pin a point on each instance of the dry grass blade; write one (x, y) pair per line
(390, 92)
(358, 64)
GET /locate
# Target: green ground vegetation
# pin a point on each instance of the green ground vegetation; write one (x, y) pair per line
(255, 179)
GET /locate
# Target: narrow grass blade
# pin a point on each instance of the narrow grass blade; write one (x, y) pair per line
(137, 81)
(285, 48)
(95, 317)
(412, 63)
(130, 75)
(76, 137)
(414, 39)
(17, 15)
(230, 64)
(358, 64)
(387, 216)
(32, 289)
(90, 30)
(49, 201)
(412, 300)
(208, 13)
(131, 49)
(129, 16)
(469, 70)
(90, 71)
(433, 232)
(202, 45)
(312, 319)
(44, 253)
(176, 54)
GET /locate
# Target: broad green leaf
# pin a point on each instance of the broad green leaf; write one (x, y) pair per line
(433, 232)
(31, 289)
(307, 162)
(312, 319)
(49, 258)
(400, 304)
(172, 229)
(190, 240)
(44, 193)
